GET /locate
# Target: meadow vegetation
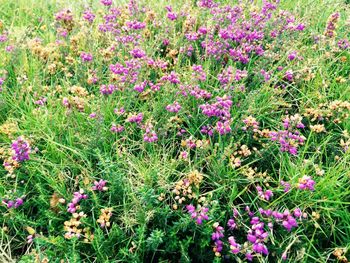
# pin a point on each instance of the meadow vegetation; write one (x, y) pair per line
(175, 131)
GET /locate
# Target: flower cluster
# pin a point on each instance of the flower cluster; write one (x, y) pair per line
(73, 206)
(21, 149)
(99, 186)
(306, 183)
(199, 214)
(104, 218)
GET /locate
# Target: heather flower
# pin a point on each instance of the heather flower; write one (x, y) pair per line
(93, 115)
(150, 135)
(331, 25)
(250, 121)
(234, 247)
(288, 141)
(172, 78)
(216, 236)
(140, 87)
(9, 48)
(107, 89)
(343, 44)
(231, 223)
(172, 16)
(104, 218)
(306, 183)
(117, 128)
(120, 111)
(175, 107)
(266, 75)
(223, 127)
(89, 16)
(200, 214)
(138, 53)
(136, 118)
(257, 236)
(264, 195)
(3, 38)
(99, 186)
(74, 204)
(198, 72)
(21, 149)
(286, 186)
(13, 203)
(86, 57)
(289, 75)
(135, 25)
(106, 2)
(292, 55)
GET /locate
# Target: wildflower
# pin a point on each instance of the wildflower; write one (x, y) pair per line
(257, 236)
(107, 89)
(306, 183)
(343, 44)
(264, 195)
(136, 118)
(200, 215)
(331, 25)
(89, 16)
(175, 107)
(99, 186)
(13, 203)
(86, 57)
(286, 186)
(150, 135)
(74, 204)
(231, 223)
(216, 236)
(234, 247)
(117, 128)
(103, 220)
(293, 55)
(250, 121)
(21, 149)
(318, 128)
(223, 127)
(106, 2)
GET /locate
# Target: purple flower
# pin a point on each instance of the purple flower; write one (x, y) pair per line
(99, 186)
(77, 197)
(343, 44)
(200, 215)
(136, 118)
(234, 247)
(20, 149)
(175, 107)
(107, 89)
(264, 195)
(117, 128)
(306, 183)
(89, 16)
(86, 57)
(150, 136)
(106, 2)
